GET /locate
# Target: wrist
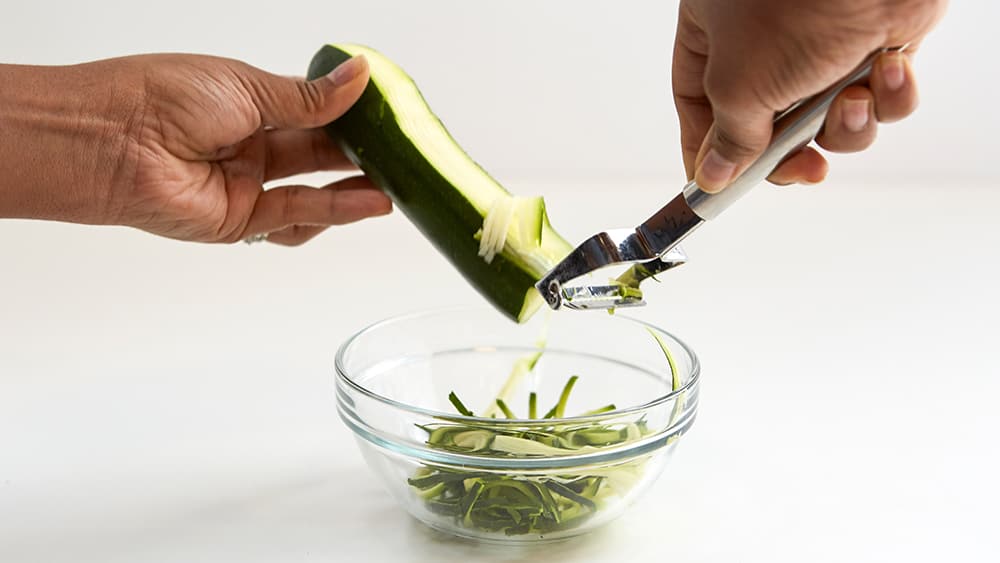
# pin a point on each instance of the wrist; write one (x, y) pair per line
(63, 142)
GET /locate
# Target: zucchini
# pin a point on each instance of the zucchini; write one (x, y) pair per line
(501, 243)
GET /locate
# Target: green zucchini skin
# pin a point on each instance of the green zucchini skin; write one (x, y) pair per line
(371, 137)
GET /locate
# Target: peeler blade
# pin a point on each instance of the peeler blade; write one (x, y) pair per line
(588, 297)
(622, 292)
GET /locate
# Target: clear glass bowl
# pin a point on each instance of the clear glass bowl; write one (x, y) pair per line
(520, 479)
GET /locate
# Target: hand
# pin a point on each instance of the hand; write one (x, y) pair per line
(214, 130)
(736, 64)
(180, 146)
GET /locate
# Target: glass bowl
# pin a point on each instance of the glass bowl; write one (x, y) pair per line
(400, 383)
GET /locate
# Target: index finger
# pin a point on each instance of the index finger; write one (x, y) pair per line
(694, 111)
(299, 151)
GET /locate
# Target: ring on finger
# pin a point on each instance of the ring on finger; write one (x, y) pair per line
(255, 238)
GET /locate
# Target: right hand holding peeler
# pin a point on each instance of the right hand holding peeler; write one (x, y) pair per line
(652, 247)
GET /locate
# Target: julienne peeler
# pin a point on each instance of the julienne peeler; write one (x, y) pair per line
(652, 247)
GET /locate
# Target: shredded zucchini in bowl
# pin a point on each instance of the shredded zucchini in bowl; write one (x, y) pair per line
(517, 504)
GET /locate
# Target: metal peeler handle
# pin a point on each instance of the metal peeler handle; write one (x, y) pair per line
(793, 129)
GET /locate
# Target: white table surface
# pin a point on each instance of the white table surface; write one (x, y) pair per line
(170, 402)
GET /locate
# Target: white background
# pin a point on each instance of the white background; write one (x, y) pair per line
(169, 402)
(562, 90)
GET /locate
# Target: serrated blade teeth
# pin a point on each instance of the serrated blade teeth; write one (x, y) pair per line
(599, 297)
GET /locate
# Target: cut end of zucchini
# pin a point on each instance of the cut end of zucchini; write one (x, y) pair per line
(531, 220)
(532, 302)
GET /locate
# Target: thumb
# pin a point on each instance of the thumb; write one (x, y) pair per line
(739, 134)
(294, 103)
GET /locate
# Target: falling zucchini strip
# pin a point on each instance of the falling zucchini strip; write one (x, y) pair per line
(675, 377)
(502, 244)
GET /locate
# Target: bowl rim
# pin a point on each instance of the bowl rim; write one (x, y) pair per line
(692, 380)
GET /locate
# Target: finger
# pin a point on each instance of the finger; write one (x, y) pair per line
(894, 86)
(731, 145)
(687, 79)
(912, 48)
(295, 235)
(695, 118)
(804, 167)
(850, 124)
(298, 151)
(342, 202)
(740, 132)
(293, 103)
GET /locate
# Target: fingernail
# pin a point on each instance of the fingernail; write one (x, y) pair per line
(892, 71)
(347, 70)
(855, 115)
(715, 172)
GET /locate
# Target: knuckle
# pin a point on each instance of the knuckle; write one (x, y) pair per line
(319, 147)
(690, 144)
(736, 91)
(692, 102)
(291, 200)
(334, 208)
(733, 146)
(310, 95)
